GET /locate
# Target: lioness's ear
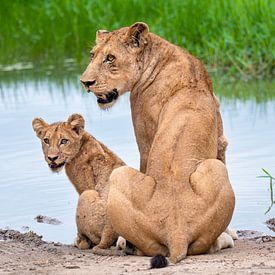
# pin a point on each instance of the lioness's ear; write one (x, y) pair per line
(39, 125)
(101, 36)
(136, 35)
(77, 122)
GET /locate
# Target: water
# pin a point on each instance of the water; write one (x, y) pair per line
(28, 188)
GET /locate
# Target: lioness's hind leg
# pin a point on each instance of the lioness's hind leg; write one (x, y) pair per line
(134, 185)
(210, 182)
(129, 196)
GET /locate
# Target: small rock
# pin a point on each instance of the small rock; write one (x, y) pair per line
(72, 266)
(271, 224)
(48, 220)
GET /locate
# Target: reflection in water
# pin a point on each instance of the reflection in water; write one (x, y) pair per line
(28, 188)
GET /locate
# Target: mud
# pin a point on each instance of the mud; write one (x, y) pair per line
(27, 253)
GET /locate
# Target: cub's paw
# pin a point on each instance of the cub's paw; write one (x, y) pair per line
(223, 241)
(81, 242)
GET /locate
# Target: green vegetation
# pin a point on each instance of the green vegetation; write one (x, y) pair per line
(271, 182)
(233, 37)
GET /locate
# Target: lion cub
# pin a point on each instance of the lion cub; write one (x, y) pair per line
(88, 164)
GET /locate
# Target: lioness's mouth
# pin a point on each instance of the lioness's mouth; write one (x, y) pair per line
(108, 98)
(56, 167)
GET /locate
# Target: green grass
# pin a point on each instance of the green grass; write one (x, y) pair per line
(271, 180)
(233, 37)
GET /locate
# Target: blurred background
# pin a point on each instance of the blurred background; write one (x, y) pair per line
(233, 37)
(44, 48)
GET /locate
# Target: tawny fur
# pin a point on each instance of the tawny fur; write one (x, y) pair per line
(181, 200)
(88, 164)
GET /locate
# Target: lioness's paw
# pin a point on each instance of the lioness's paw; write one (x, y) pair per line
(223, 241)
(232, 233)
(121, 243)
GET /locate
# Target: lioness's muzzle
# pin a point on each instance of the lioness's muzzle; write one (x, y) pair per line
(113, 95)
(54, 165)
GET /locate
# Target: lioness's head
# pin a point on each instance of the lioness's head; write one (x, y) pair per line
(61, 141)
(116, 63)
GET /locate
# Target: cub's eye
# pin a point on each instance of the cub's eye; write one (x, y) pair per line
(92, 55)
(110, 58)
(63, 141)
(46, 140)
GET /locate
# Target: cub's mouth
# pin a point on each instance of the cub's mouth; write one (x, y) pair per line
(107, 100)
(56, 167)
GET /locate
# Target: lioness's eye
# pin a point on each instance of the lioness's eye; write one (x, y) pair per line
(92, 55)
(63, 141)
(46, 140)
(109, 58)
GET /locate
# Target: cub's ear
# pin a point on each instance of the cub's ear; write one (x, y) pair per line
(136, 35)
(101, 36)
(77, 122)
(39, 125)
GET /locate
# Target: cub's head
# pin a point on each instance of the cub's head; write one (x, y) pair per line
(61, 141)
(116, 63)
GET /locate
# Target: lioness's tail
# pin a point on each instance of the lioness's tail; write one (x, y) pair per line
(158, 261)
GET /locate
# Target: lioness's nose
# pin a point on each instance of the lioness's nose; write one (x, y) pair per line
(51, 158)
(87, 84)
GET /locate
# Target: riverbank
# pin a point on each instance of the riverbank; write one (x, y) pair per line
(26, 253)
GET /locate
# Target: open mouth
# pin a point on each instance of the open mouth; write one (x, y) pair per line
(108, 98)
(56, 167)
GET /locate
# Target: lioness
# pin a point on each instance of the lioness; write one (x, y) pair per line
(88, 164)
(181, 200)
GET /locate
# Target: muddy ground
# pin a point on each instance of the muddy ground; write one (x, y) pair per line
(25, 253)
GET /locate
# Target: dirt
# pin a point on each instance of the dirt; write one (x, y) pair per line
(27, 253)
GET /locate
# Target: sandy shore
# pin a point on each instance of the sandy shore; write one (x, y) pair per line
(24, 253)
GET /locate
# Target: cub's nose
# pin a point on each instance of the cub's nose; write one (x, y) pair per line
(52, 158)
(88, 84)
